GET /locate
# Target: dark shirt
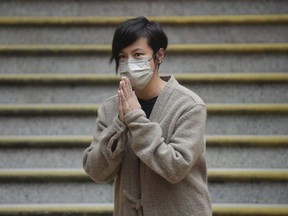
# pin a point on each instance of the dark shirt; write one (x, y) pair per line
(147, 105)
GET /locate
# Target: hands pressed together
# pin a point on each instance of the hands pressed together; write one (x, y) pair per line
(127, 98)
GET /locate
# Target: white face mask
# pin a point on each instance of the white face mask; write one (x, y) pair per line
(138, 71)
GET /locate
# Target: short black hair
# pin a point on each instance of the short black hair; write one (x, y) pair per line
(133, 29)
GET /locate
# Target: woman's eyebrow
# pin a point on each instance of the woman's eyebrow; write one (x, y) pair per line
(134, 50)
(137, 49)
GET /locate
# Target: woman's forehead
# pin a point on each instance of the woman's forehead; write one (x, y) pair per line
(139, 45)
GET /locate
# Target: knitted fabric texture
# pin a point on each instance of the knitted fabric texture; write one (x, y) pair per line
(158, 164)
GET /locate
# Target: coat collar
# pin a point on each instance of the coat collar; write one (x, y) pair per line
(163, 97)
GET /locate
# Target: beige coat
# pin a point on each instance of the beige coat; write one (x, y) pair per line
(158, 164)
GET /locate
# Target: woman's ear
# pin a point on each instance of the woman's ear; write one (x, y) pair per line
(160, 55)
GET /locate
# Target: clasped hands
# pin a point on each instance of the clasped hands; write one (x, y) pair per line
(127, 100)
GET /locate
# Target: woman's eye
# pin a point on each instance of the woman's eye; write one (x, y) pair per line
(138, 54)
(121, 57)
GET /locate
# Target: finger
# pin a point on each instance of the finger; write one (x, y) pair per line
(124, 103)
(126, 80)
(121, 84)
(124, 88)
(120, 108)
(119, 98)
(127, 88)
(123, 98)
(128, 84)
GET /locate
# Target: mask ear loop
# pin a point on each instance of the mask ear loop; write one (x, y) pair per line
(154, 59)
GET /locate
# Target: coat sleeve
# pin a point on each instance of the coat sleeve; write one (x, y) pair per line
(172, 160)
(102, 159)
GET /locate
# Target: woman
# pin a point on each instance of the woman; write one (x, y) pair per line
(149, 138)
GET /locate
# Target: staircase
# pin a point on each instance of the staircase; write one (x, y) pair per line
(55, 71)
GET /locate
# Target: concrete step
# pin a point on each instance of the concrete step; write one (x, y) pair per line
(163, 20)
(213, 88)
(236, 157)
(82, 141)
(132, 8)
(269, 33)
(90, 192)
(216, 175)
(108, 79)
(242, 209)
(66, 151)
(97, 209)
(76, 49)
(99, 30)
(225, 185)
(76, 119)
(91, 109)
(174, 63)
(57, 192)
